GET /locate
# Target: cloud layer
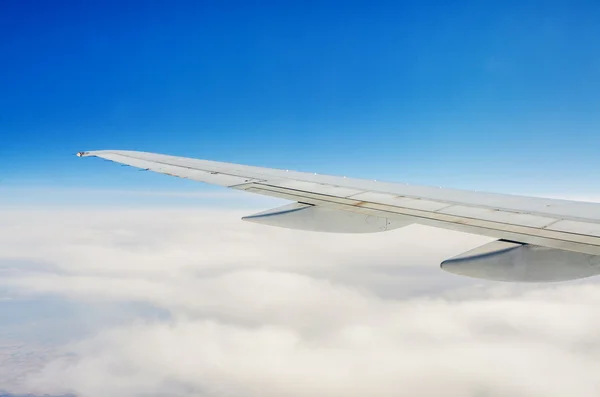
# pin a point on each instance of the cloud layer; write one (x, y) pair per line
(197, 302)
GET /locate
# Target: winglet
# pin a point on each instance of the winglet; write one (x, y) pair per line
(83, 154)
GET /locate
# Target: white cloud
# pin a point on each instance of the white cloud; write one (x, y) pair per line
(249, 310)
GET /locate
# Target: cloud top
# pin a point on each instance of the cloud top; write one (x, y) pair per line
(197, 302)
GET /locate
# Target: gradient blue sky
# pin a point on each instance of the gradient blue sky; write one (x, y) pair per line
(501, 96)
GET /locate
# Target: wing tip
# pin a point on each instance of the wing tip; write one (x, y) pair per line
(85, 154)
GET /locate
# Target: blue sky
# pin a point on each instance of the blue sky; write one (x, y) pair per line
(501, 96)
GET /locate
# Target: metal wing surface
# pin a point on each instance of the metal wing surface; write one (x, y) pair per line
(560, 224)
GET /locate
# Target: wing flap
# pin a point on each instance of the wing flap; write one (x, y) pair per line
(527, 220)
(401, 201)
(590, 229)
(314, 187)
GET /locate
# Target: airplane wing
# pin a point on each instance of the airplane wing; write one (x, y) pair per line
(529, 229)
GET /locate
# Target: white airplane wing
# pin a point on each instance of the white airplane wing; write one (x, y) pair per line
(539, 239)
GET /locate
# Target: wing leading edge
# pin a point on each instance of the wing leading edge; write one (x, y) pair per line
(555, 224)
